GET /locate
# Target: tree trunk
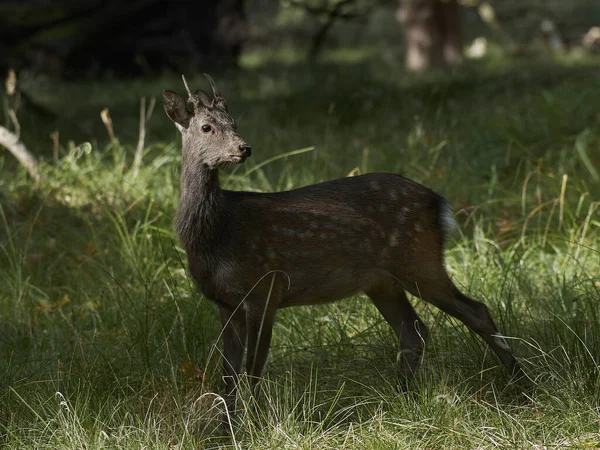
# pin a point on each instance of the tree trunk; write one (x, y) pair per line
(213, 31)
(448, 13)
(432, 33)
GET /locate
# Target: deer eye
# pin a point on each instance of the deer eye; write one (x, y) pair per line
(206, 128)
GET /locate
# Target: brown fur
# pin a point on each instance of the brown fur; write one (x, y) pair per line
(252, 253)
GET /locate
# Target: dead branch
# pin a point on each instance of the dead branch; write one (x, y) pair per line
(335, 10)
(55, 136)
(15, 121)
(11, 141)
(107, 121)
(144, 118)
(331, 15)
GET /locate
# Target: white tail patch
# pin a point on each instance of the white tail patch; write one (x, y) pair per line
(447, 221)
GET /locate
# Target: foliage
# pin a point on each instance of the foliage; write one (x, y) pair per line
(69, 38)
(104, 342)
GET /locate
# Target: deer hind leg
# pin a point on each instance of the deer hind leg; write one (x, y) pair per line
(475, 315)
(392, 303)
(234, 343)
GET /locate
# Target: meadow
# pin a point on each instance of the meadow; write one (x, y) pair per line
(106, 344)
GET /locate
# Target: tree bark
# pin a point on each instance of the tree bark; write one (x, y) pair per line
(448, 13)
(433, 35)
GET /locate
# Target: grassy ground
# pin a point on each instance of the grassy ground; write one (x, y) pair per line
(104, 342)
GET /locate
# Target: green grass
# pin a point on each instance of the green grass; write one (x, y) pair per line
(104, 342)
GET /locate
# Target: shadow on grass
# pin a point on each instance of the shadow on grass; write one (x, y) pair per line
(97, 304)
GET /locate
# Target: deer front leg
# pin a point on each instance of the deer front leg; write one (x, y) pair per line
(234, 343)
(259, 321)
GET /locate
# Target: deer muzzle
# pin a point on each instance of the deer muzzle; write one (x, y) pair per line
(244, 152)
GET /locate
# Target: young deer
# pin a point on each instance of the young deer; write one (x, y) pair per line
(380, 234)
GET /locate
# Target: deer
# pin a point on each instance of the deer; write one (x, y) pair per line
(253, 253)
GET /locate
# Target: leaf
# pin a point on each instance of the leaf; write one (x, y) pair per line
(353, 172)
(34, 259)
(191, 371)
(91, 250)
(46, 306)
(43, 305)
(62, 302)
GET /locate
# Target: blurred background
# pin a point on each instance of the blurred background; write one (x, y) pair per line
(92, 37)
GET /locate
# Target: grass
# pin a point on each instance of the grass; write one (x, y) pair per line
(105, 343)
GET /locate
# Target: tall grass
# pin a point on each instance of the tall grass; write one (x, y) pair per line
(105, 343)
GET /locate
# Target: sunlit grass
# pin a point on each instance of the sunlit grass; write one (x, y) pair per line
(104, 342)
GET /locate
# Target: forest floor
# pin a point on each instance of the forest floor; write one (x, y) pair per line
(105, 343)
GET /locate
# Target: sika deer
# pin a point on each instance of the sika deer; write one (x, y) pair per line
(381, 234)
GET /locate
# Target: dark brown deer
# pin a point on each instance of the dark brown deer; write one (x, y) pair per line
(253, 253)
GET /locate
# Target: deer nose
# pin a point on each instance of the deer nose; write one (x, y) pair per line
(246, 150)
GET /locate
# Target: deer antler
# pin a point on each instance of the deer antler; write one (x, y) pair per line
(187, 88)
(218, 100)
(216, 93)
(197, 99)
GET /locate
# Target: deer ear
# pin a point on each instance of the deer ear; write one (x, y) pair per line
(175, 109)
(204, 98)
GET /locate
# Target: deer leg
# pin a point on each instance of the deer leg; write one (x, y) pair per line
(259, 321)
(476, 316)
(392, 303)
(234, 342)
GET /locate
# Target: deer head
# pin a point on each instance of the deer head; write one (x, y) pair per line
(207, 129)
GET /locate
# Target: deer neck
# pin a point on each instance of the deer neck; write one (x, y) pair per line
(200, 206)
